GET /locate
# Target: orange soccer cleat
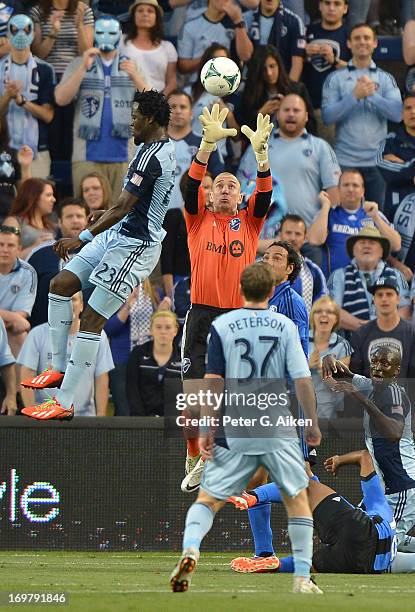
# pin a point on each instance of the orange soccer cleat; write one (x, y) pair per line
(255, 565)
(244, 501)
(48, 378)
(50, 409)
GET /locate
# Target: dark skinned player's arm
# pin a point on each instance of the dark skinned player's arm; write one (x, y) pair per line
(114, 214)
(387, 427)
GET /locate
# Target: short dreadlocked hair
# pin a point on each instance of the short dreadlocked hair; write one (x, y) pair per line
(153, 104)
(293, 258)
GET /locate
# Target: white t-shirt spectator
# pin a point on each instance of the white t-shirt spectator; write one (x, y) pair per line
(36, 355)
(153, 62)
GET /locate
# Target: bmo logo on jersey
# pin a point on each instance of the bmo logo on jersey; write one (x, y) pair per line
(216, 248)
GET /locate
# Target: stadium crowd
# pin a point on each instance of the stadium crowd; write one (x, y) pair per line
(342, 158)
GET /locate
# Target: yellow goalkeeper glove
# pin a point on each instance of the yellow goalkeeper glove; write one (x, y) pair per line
(259, 138)
(212, 122)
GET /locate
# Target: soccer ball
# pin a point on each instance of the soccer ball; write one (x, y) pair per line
(220, 76)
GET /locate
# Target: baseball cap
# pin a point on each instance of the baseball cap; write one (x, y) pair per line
(390, 282)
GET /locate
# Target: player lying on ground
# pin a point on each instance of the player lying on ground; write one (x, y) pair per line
(388, 429)
(358, 539)
(240, 348)
(223, 240)
(124, 245)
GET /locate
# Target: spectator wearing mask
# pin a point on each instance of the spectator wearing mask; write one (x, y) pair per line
(333, 225)
(350, 286)
(326, 51)
(186, 142)
(304, 164)
(275, 24)
(26, 89)
(72, 219)
(103, 81)
(35, 357)
(387, 329)
(151, 364)
(18, 284)
(222, 22)
(144, 44)
(310, 282)
(324, 340)
(96, 192)
(31, 212)
(7, 9)
(360, 100)
(64, 29)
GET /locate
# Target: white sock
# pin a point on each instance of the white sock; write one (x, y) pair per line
(84, 355)
(403, 563)
(60, 321)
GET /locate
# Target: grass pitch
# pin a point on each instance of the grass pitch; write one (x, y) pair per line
(121, 582)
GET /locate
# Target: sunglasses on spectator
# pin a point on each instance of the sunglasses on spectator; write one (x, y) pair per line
(9, 229)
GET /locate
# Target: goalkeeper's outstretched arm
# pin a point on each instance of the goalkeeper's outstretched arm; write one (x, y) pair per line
(213, 131)
(259, 140)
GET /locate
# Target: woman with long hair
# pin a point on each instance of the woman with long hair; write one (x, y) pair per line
(324, 321)
(31, 212)
(64, 29)
(95, 190)
(144, 42)
(151, 363)
(267, 82)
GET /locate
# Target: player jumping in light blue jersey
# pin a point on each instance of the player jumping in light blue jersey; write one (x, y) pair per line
(246, 347)
(123, 247)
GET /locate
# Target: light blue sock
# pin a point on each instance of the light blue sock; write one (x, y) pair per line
(199, 520)
(259, 518)
(84, 356)
(268, 493)
(300, 530)
(60, 321)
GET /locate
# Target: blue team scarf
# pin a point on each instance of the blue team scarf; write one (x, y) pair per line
(354, 298)
(92, 92)
(23, 126)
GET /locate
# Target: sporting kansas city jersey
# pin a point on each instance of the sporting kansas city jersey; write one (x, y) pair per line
(249, 344)
(394, 460)
(150, 177)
